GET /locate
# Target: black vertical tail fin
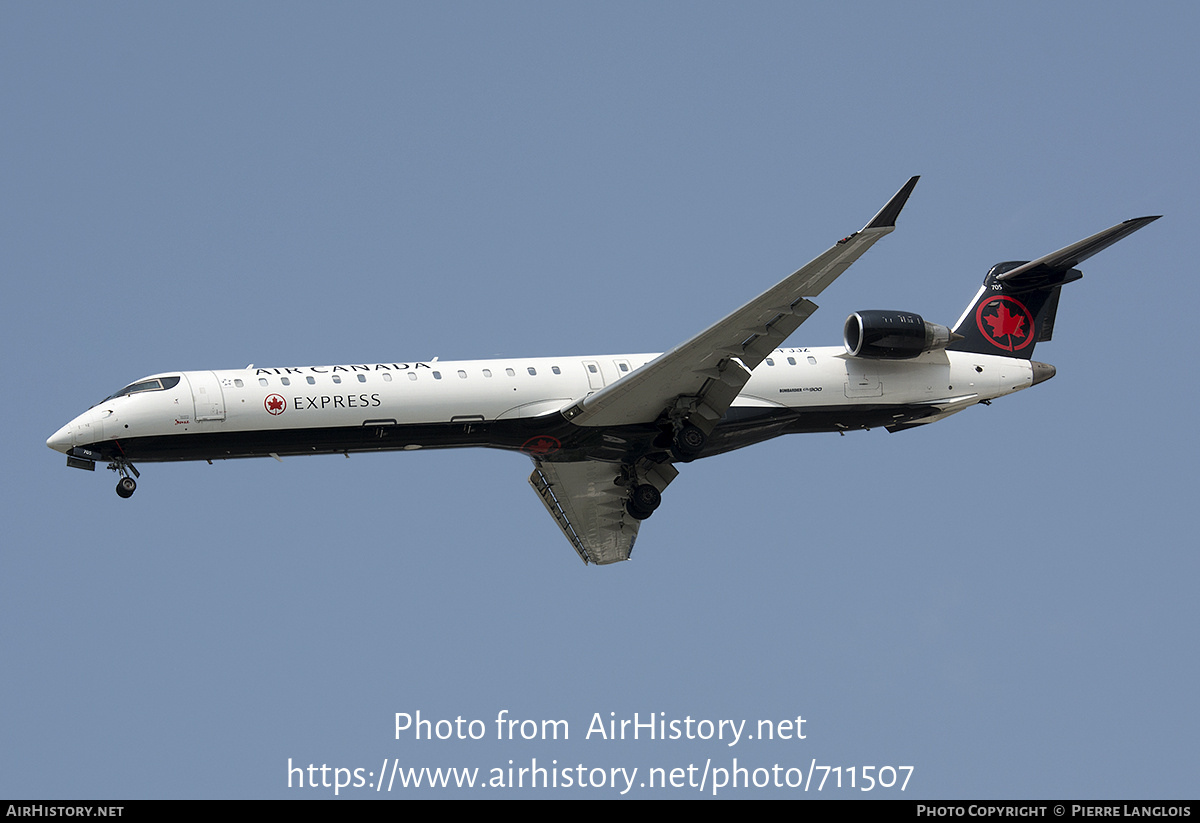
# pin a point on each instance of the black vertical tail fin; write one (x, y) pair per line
(1009, 319)
(1017, 304)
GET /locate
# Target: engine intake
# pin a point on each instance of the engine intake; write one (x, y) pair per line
(893, 335)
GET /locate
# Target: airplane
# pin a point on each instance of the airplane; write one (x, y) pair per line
(607, 433)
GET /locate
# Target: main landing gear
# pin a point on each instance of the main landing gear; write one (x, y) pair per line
(689, 442)
(643, 500)
(126, 486)
(643, 497)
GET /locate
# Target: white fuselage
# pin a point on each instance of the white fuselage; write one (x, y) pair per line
(404, 399)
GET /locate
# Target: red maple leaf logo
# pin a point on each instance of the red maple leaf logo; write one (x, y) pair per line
(1007, 325)
(274, 404)
(1004, 323)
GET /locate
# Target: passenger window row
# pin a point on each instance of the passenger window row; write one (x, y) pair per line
(387, 376)
(770, 361)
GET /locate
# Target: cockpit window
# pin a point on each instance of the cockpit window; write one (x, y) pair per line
(154, 384)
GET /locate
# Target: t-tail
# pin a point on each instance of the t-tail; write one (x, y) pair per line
(1016, 306)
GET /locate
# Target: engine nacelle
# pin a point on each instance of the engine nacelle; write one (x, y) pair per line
(893, 335)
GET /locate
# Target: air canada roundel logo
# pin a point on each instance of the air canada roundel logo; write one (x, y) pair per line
(1005, 322)
(275, 404)
(541, 445)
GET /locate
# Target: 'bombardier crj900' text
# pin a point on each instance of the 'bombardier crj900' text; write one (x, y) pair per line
(607, 434)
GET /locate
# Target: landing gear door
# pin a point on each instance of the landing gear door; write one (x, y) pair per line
(207, 395)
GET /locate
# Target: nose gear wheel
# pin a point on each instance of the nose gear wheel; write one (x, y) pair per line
(127, 485)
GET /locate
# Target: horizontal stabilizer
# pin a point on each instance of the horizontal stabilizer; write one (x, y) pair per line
(1068, 258)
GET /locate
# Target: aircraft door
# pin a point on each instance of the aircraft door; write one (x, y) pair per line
(207, 395)
(860, 382)
(595, 376)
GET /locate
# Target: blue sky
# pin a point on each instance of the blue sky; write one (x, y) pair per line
(1003, 601)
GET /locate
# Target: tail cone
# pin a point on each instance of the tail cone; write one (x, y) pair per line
(1041, 371)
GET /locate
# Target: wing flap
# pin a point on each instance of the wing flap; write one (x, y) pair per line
(588, 507)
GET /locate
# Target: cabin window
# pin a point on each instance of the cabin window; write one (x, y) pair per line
(623, 366)
(510, 372)
(337, 378)
(462, 374)
(412, 375)
(556, 369)
(770, 362)
(812, 360)
(791, 361)
(285, 381)
(237, 381)
(387, 377)
(437, 375)
(362, 378)
(487, 372)
(532, 370)
(592, 368)
(262, 381)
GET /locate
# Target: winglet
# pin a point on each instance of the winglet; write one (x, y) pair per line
(886, 219)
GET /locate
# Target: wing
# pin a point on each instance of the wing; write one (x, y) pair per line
(698, 378)
(935, 411)
(708, 371)
(588, 505)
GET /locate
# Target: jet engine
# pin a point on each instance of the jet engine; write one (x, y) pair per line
(893, 335)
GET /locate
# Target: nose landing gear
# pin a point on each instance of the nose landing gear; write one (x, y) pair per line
(126, 486)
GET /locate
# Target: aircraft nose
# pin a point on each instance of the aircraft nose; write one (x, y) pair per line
(61, 440)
